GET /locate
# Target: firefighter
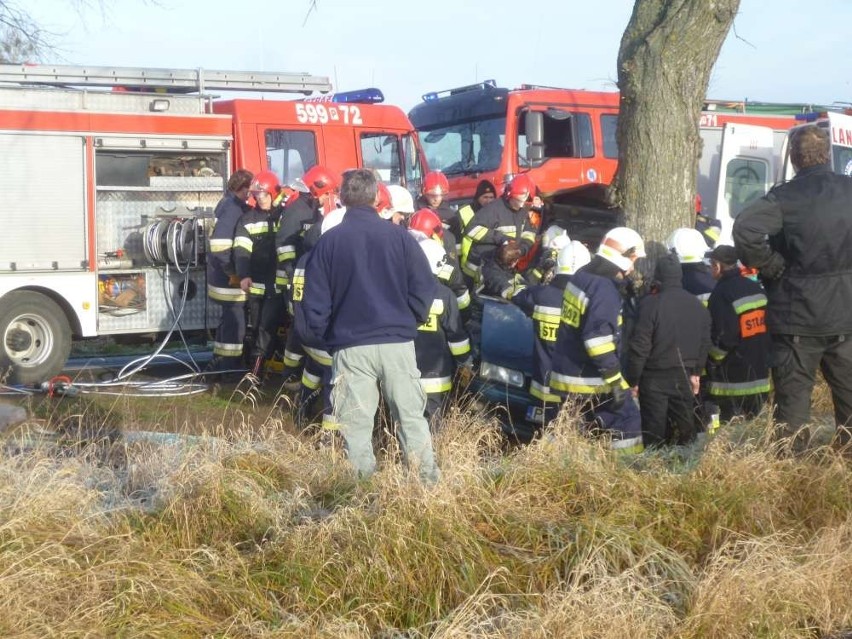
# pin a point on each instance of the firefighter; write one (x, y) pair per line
(543, 303)
(223, 285)
(739, 371)
(320, 189)
(435, 188)
(497, 223)
(485, 194)
(690, 248)
(255, 262)
(401, 202)
(316, 374)
(441, 344)
(667, 352)
(500, 277)
(586, 366)
(554, 239)
(425, 223)
(709, 227)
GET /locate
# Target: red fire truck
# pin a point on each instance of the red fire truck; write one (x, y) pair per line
(111, 178)
(566, 140)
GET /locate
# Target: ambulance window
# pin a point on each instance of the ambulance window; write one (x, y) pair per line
(842, 158)
(745, 181)
(380, 151)
(290, 153)
(609, 123)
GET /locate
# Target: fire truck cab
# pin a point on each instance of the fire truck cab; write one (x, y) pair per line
(289, 137)
(111, 178)
(564, 138)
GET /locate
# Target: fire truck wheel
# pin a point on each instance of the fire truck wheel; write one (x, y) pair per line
(36, 338)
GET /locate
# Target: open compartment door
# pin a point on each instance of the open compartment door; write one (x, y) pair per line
(746, 171)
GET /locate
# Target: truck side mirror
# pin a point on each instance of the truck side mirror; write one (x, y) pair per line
(534, 127)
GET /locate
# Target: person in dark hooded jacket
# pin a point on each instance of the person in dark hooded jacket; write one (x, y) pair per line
(668, 350)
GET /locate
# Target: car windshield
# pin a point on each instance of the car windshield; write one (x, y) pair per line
(468, 147)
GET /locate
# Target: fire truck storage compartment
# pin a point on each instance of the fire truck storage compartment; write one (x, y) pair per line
(154, 210)
(44, 215)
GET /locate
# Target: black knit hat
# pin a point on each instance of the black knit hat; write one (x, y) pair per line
(724, 254)
(483, 187)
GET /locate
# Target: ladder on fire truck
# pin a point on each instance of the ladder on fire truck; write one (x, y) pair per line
(162, 80)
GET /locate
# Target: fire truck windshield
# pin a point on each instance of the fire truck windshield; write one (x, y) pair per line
(467, 147)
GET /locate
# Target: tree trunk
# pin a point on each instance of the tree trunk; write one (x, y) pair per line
(667, 54)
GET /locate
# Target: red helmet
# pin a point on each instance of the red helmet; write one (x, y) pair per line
(320, 181)
(435, 183)
(265, 182)
(520, 185)
(427, 222)
(383, 198)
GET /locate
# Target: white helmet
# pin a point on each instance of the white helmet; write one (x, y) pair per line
(688, 244)
(401, 200)
(572, 258)
(617, 243)
(554, 234)
(435, 254)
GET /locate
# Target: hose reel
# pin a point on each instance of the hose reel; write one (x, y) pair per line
(172, 242)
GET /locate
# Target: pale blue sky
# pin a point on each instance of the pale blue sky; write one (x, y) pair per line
(407, 48)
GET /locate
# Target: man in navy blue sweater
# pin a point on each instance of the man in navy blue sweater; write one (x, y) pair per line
(367, 288)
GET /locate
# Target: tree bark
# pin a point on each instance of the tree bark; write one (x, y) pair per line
(664, 63)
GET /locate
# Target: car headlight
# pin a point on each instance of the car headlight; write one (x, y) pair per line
(500, 374)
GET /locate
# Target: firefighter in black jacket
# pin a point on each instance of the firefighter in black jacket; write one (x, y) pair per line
(739, 375)
(298, 216)
(223, 285)
(586, 365)
(668, 350)
(543, 303)
(255, 262)
(316, 374)
(441, 343)
(807, 271)
(495, 224)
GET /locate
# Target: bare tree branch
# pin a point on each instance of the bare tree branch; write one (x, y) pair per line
(312, 7)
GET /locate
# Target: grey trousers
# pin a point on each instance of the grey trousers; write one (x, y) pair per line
(357, 372)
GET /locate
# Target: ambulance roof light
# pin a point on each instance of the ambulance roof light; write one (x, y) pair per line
(807, 117)
(361, 96)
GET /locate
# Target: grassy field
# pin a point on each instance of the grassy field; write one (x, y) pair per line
(246, 529)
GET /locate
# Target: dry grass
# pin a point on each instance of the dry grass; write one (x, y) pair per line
(250, 531)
